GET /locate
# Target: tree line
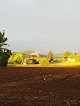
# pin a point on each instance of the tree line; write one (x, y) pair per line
(6, 57)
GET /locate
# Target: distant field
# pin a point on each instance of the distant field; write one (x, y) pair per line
(40, 86)
(51, 65)
(67, 64)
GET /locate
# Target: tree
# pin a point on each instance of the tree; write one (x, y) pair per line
(2, 41)
(44, 62)
(58, 59)
(18, 58)
(11, 60)
(50, 56)
(4, 53)
(76, 57)
(71, 55)
(66, 53)
(30, 62)
(79, 53)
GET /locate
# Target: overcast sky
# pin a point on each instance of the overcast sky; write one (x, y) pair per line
(41, 25)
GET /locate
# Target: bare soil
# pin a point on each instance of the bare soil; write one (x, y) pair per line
(40, 86)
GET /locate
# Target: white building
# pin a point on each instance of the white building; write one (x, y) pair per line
(71, 60)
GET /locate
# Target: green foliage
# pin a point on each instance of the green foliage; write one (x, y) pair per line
(79, 53)
(2, 41)
(66, 53)
(30, 62)
(71, 55)
(50, 56)
(18, 58)
(58, 59)
(0, 60)
(62, 59)
(11, 60)
(4, 53)
(76, 57)
(4, 59)
(24, 60)
(44, 62)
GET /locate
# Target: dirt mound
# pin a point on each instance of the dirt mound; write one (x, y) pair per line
(40, 86)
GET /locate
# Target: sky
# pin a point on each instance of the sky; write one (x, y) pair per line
(41, 25)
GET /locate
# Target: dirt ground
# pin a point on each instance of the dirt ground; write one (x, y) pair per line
(40, 86)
